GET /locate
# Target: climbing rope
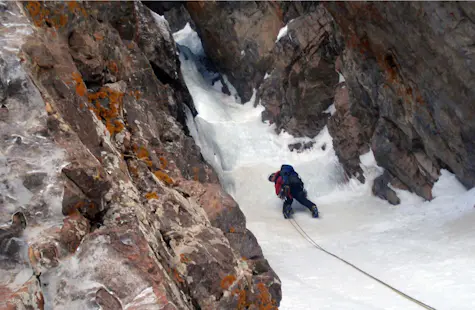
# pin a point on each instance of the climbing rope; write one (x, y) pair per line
(312, 242)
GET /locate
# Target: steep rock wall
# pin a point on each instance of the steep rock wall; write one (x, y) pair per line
(128, 215)
(294, 76)
(408, 88)
(300, 85)
(410, 77)
(238, 37)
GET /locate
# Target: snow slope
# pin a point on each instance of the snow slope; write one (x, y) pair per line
(425, 249)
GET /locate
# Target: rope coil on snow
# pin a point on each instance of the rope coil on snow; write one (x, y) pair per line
(312, 242)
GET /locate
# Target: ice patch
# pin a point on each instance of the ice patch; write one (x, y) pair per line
(161, 21)
(162, 24)
(30, 164)
(218, 85)
(23, 276)
(232, 90)
(331, 109)
(368, 159)
(189, 38)
(341, 78)
(145, 298)
(283, 31)
(448, 185)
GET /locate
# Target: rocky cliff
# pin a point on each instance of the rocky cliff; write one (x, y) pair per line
(106, 201)
(409, 79)
(292, 68)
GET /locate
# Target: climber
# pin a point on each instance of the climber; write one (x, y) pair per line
(288, 186)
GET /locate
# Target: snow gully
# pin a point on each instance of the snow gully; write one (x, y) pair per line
(302, 232)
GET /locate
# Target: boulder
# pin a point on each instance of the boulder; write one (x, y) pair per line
(382, 190)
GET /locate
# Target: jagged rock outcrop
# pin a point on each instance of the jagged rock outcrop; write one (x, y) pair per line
(408, 71)
(409, 74)
(301, 83)
(382, 190)
(239, 38)
(294, 75)
(350, 139)
(174, 12)
(96, 108)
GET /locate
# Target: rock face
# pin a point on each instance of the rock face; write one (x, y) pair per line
(409, 75)
(408, 70)
(383, 191)
(294, 75)
(173, 11)
(350, 138)
(300, 86)
(118, 210)
(239, 38)
(28, 296)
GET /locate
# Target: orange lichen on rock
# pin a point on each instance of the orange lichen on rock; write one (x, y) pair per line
(142, 154)
(98, 36)
(42, 16)
(265, 301)
(242, 301)
(196, 173)
(151, 195)
(81, 205)
(80, 86)
(63, 19)
(118, 126)
(184, 259)
(114, 127)
(49, 108)
(34, 7)
(36, 12)
(133, 169)
(227, 281)
(95, 97)
(74, 6)
(177, 276)
(278, 10)
(107, 104)
(112, 65)
(163, 162)
(135, 94)
(232, 230)
(164, 177)
(215, 203)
